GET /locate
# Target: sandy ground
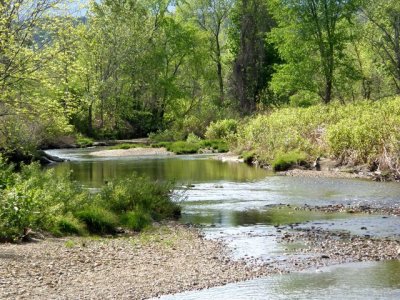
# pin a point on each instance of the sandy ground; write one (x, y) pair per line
(131, 152)
(167, 260)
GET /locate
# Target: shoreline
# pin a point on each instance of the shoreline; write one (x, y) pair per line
(168, 259)
(139, 151)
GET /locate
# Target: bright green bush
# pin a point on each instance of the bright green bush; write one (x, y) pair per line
(98, 220)
(221, 129)
(285, 161)
(83, 141)
(67, 225)
(137, 193)
(136, 220)
(35, 199)
(359, 132)
(43, 201)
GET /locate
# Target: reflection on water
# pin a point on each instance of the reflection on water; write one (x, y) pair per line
(380, 280)
(183, 169)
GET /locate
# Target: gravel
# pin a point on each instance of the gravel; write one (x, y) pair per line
(169, 259)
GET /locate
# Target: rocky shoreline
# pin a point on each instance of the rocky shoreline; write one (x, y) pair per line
(169, 259)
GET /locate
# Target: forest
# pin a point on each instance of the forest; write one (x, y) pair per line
(312, 77)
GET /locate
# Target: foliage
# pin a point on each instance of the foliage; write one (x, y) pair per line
(137, 193)
(287, 160)
(136, 220)
(83, 142)
(221, 129)
(98, 220)
(42, 200)
(311, 38)
(361, 132)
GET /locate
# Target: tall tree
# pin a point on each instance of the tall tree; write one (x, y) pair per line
(212, 17)
(383, 34)
(311, 37)
(253, 57)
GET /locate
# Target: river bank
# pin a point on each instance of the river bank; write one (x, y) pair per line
(168, 259)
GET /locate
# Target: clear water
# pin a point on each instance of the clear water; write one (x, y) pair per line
(235, 204)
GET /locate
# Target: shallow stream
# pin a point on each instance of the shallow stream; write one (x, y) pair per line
(237, 204)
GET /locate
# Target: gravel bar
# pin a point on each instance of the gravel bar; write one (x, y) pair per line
(168, 259)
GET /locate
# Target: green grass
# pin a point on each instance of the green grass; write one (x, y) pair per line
(44, 201)
(98, 220)
(285, 161)
(127, 146)
(184, 147)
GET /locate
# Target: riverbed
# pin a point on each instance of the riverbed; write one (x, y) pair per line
(249, 209)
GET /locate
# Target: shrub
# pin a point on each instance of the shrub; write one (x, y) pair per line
(98, 220)
(221, 129)
(83, 142)
(69, 225)
(287, 160)
(136, 220)
(183, 147)
(137, 193)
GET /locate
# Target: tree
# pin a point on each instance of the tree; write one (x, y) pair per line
(383, 34)
(212, 17)
(253, 58)
(311, 38)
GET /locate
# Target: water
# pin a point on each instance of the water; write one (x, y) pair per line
(236, 204)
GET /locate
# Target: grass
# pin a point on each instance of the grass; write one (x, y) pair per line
(361, 132)
(44, 201)
(184, 147)
(285, 161)
(125, 146)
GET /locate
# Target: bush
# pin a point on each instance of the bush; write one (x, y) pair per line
(42, 201)
(137, 193)
(83, 142)
(221, 129)
(136, 220)
(35, 199)
(98, 220)
(285, 161)
(68, 224)
(362, 132)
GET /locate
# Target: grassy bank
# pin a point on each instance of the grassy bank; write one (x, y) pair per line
(38, 200)
(358, 133)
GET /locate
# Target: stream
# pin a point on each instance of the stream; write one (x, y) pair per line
(235, 204)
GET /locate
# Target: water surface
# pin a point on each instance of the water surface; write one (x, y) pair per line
(237, 204)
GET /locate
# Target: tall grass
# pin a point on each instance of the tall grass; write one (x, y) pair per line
(43, 201)
(363, 132)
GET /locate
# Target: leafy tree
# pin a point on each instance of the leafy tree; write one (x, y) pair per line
(253, 58)
(383, 34)
(212, 17)
(311, 37)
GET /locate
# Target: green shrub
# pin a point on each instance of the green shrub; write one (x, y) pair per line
(125, 146)
(362, 132)
(35, 199)
(68, 224)
(83, 142)
(136, 220)
(137, 193)
(287, 160)
(248, 156)
(221, 129)
(98, 220)
(182, 147)
(218, 145)
(168, 135)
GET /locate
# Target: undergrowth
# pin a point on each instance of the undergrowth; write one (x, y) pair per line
(44, 201)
